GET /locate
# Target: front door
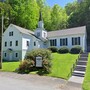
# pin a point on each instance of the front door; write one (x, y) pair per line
(10, 56)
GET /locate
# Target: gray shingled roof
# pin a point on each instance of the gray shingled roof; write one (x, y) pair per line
(23, 30)
(71, 31)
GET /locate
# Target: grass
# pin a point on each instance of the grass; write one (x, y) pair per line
(10, 66)
(61, 64)
(86, 83)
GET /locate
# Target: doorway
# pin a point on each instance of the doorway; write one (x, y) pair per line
(10, 56)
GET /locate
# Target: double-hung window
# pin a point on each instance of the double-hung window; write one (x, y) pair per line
(63, 42)
(75, 40)
(27, 43)
(5, 44)
(53, 42)
(10, 43)
(11, 33)
(16, 43)
(16, 55)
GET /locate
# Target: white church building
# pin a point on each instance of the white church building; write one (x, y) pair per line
(17, 41)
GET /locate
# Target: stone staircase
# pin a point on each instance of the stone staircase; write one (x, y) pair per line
(80, 68)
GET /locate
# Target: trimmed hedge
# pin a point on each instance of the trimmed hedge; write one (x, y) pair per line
(53, 49)
(76, 50)
(63, 50)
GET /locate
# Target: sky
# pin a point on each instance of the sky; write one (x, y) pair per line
(60, 2)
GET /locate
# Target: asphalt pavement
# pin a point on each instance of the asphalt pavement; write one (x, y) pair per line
(14, 81)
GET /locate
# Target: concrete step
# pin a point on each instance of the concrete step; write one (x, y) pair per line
(78, 68)
(81, 63)
(78, 73)
(84, 55)
(83, 58)
(81, 66)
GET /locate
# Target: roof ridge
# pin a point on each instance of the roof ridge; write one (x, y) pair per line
(71, 31)
(67, 29)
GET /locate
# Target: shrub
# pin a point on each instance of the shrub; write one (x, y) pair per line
(26, 66)
(63, 50)
(53, 49)
(46, 65)
(75, 50)
(44, 53)
(29, 63)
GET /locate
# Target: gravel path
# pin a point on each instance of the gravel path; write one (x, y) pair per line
(14, 81)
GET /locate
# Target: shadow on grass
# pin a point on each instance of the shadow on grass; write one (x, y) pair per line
(42, 72)
(4, 61)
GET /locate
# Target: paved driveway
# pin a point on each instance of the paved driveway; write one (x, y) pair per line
(13, 81)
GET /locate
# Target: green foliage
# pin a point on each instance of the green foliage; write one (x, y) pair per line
(86, 83)
(53, 49)
(75, 50)
(44, 53)
(28, 64)
(25, 13)
(63, 50)
(41, 3)
(58, 18)
(46, 65)
(71, 7)
(81, 14)
(46, 12)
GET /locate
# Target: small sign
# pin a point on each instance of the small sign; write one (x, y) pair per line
(38, 61)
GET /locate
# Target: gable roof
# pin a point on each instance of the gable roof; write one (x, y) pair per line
(71, 31)
(23, 30)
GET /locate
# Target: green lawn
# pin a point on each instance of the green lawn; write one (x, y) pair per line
(86, 84)
(10, 66)
(61, 64)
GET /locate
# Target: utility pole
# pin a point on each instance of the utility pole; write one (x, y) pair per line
(1, 44)
(1, 53)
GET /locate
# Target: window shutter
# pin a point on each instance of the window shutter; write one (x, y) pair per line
(78, 40)
(60, 42)
(66, 42)
(55, 42)
(72, 41)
